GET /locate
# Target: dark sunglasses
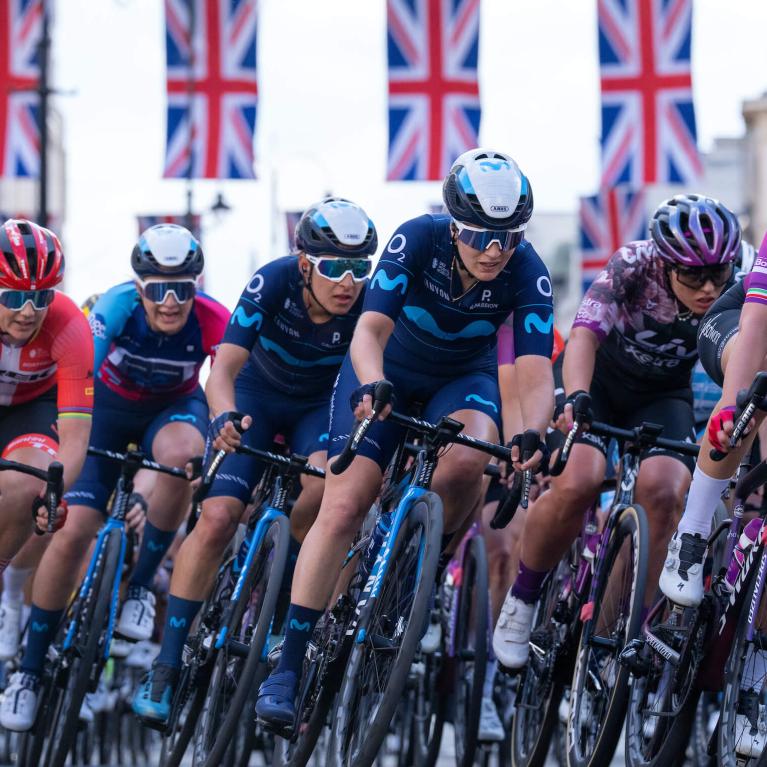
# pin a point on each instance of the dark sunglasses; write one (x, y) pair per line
(697, 277)
(482, 239)
(157, 292)
(18, 299)
(335, 269)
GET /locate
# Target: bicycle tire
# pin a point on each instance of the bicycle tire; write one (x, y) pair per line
(729, 740)
(471, 649)
(602, 725)
(64, 724)
(656, 740)
(220, 714)
(433, 696)
(541, 684)
(350, 721)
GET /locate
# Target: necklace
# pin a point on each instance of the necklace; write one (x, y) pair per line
(452, 279)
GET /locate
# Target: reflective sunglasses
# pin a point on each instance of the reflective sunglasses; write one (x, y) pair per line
(482, 239)
(157, 292)
(335, 269)
(697, 277)
(15, 300)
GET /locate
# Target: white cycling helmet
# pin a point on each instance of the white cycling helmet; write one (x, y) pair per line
(167, 249)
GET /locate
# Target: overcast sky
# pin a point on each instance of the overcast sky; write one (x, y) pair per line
(322, 116)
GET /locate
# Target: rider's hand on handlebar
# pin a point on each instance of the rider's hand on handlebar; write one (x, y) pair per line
(516, 456)
(566, 419)
(361, 401)
(226, 436)
(40, 514)
(721, 426)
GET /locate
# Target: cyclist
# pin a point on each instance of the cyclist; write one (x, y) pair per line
(440, 291)
(151, 337)
(46, 381)
(279, 357)
(733, 345)
(632, 346)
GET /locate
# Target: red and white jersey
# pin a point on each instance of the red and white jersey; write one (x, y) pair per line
(60, 354)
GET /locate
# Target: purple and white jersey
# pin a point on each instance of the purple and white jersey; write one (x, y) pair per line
(646, 337)
(755, 281)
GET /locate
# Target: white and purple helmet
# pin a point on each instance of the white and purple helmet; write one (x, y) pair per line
(693, 230)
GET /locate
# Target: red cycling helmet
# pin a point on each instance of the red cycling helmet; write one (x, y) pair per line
(31, 257)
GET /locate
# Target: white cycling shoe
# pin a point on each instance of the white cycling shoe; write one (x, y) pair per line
(18, 706)
(142, 655)
(490, 725)
(137, 614)
(682, 577)
(10, 629)
(511, 638)
(430, 641)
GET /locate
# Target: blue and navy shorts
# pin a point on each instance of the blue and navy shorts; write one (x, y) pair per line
(441, 395)
(118, 422)
(303, 423)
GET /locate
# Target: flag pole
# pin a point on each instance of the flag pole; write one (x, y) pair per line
(190, 96)
(42, 118)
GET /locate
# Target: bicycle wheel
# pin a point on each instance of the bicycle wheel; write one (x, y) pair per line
(433, 694)
(237, 661)
(85, 666)
(542, 682)
(743, 714)
(599, 692)
(662, 703)
(470, 647)
(391, 627)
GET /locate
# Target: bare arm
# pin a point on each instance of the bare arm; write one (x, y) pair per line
(536, 396)
(74, 434)
(367, 350)
(748, 355)
(219, 391)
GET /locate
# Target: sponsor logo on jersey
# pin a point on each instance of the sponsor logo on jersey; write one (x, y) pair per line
(486, 402)
(245, 320)
(383, 281)
(709, 331)
(534, 321)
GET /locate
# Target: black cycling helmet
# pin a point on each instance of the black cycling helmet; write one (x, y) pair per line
(694, 230)
(336, 227)
(487, 190)
(165, 250)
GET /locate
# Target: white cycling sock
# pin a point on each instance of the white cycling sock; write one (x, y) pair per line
(702, 499)
(14, 579)
(490, 669)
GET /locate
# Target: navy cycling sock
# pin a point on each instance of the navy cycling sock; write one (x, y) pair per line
(178, 621)
(301, 622)
(154, 546)
(42, 629)
(527, 587)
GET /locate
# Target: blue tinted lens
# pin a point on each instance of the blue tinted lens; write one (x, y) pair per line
(336, 268)
(16, 299)
(483, 239)
(157, 292)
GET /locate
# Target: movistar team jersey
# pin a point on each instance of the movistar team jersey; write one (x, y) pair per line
(440, 327)
(287, 349)
(139, 363)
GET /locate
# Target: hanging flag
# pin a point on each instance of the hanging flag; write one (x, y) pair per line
(291, 219)
(434, 107)
(608, 221)
(212, 88)
(144, 222)
(648, 120)
(21, 29)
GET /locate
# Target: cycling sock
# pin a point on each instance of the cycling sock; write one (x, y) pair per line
(154, 546)
(14, 579)
(178, 620)
(704, 494)
(301, 622)
(4, 564)
(42, 629)
(490, 669)
(527, 587)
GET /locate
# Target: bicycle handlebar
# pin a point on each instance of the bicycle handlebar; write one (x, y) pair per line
(53, 477)
(751, 481)
(143, 462)
(748, 403)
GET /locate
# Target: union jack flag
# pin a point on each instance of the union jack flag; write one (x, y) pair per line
(21, 28)
(434, 107)
(292, 217)
(212, 88)
(608, 221)
(648, 119)
(144, 222)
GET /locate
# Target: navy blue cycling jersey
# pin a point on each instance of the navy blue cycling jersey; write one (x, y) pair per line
(414, 284)
(287, 349)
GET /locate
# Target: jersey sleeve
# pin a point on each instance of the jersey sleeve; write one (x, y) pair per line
(533, 317)
(599, 306)
(398, 266)
(755, 282)
(108, 317)
(213, 318)
(72, 349)
(262, 297)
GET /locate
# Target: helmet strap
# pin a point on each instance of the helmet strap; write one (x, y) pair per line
(462, 267)
(308, 285)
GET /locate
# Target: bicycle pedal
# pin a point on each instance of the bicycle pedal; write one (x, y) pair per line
(511, 672)
(153, 724)
(286, 733)
(631, 657)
